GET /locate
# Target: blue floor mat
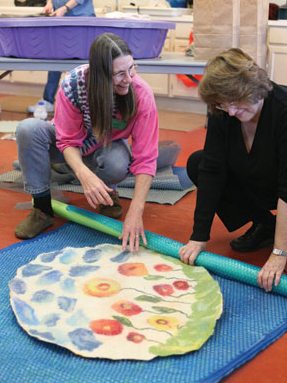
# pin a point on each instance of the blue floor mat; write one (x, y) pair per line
(251, 320)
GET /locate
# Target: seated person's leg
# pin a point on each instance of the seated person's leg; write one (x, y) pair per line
(111, 164)
(34, 139)
(236, 208)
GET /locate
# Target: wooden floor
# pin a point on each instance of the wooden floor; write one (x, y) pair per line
(172, 221)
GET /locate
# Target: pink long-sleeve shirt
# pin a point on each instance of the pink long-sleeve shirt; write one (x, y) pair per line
(73, 124)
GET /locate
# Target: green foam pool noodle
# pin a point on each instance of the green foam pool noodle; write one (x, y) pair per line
(220, 265)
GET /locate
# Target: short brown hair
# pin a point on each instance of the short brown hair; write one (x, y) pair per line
(233, 76)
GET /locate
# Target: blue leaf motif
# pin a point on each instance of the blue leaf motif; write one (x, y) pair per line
(84, 339)
(50, 320)
(81, 271)
(77, 319)
(68, 256)
(66, 303)
(68, 285)
(49, 257)
(25, 313)
(122, 257)
(92, 255)
(50, 278)
(31, 269)
(42, 296)
(18, 286)
(43, 335)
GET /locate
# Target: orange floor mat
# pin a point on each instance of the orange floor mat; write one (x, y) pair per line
(172, 221)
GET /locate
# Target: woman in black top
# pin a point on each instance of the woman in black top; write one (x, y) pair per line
(241, 173)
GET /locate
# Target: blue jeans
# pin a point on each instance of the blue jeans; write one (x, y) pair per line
(36, 140)
(51, 86)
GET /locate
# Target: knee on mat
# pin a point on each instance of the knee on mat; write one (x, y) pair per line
(115, 164)
(116, 171)
(25, 129)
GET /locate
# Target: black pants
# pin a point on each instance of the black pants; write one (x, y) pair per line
(237, 205)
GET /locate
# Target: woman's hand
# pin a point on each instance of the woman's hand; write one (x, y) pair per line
(48, 9)
(274, 267)
(95, 190)
(190, 251)
(60, 12)
(133, 230)
(271, 272)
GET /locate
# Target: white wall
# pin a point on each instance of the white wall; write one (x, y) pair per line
(7, 3)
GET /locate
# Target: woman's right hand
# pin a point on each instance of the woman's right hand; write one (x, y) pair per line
(48, 9)
(95, 190)
(190, 251)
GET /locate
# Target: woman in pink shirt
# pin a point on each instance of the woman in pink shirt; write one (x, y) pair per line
(98, 107)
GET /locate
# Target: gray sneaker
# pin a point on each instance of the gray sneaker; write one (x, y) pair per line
(33, 224)
(49, 107)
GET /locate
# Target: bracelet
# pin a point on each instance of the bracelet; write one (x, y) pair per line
(67, 8)
(279, 252)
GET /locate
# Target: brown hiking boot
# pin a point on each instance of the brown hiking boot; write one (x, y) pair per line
(114, 211)
(33, 224)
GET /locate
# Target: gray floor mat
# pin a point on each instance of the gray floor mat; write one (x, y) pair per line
(159, 193)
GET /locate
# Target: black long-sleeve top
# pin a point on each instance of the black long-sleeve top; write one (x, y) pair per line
(263, 170)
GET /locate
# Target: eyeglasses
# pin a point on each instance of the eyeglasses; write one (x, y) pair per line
(228, 107)
(122, 74)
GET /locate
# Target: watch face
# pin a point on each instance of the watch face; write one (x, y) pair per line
(279, 252)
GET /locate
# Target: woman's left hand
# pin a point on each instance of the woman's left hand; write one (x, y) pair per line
(271, 272)
(60, 12)
(133, 230)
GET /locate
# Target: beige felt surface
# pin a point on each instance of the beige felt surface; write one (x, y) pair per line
(91, 300)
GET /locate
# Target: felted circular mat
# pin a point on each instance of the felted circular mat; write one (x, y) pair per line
(102, 302)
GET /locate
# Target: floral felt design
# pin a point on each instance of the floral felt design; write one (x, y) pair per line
(102, 302)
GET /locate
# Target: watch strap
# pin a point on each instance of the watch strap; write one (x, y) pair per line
(279, 252)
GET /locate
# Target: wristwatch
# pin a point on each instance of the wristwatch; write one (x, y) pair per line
(67, 8)
(279, 252)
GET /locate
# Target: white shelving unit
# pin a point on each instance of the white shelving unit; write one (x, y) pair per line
(277, 51)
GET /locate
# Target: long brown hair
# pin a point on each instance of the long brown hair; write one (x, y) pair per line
(233, 76)
(102, 99)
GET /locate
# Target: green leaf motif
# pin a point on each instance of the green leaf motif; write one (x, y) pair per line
(153, 277)
(165, 310)
(206, 309)
(148, 298)
(123, 320)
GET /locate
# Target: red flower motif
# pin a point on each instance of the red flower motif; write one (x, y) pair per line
(133, 269)
(127, 308)
(181, 285)
(135, 337)
(163, 289)
(163, 267)
(106, 327)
